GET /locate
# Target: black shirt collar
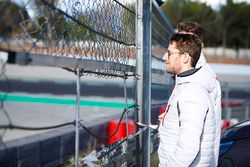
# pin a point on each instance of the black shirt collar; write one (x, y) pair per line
(188, 72)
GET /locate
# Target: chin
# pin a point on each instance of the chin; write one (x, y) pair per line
(168, 69)
(170, 72)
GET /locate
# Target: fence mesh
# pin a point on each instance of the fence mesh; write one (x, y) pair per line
(85, 29)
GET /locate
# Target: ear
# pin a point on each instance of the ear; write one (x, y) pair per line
(186, 58)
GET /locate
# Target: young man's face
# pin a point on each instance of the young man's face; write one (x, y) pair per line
(172, 58)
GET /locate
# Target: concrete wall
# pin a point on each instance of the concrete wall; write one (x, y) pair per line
(227, 52)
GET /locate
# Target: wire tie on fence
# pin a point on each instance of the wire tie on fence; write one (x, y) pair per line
(151, 126)
(137, 76)
(139, 132)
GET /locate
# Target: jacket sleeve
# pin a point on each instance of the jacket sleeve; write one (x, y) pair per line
(193, 111)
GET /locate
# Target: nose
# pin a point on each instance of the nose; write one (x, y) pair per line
(165, 56)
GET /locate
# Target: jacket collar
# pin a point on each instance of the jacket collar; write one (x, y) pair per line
(188, 72)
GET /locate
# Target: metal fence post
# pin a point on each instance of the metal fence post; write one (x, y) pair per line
(143, 69)
(139, 67)
(77, 117)
(126, 102)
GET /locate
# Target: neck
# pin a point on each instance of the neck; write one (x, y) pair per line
(185, 69)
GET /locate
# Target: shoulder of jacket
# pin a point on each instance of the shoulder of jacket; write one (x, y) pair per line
(193, 92)
(193, 88)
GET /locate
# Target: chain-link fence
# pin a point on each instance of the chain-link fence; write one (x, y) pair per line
(82, 29)
(97, 37)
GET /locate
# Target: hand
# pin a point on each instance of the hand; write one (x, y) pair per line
(161, 116)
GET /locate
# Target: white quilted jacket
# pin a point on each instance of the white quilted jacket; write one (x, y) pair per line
(190, 130)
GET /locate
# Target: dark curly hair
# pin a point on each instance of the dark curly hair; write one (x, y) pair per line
(191, 27)
(188, 43)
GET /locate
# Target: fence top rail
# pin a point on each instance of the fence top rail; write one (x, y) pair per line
(162, 17)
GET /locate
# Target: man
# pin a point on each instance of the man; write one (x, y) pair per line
(188, 128)
(195, 28)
